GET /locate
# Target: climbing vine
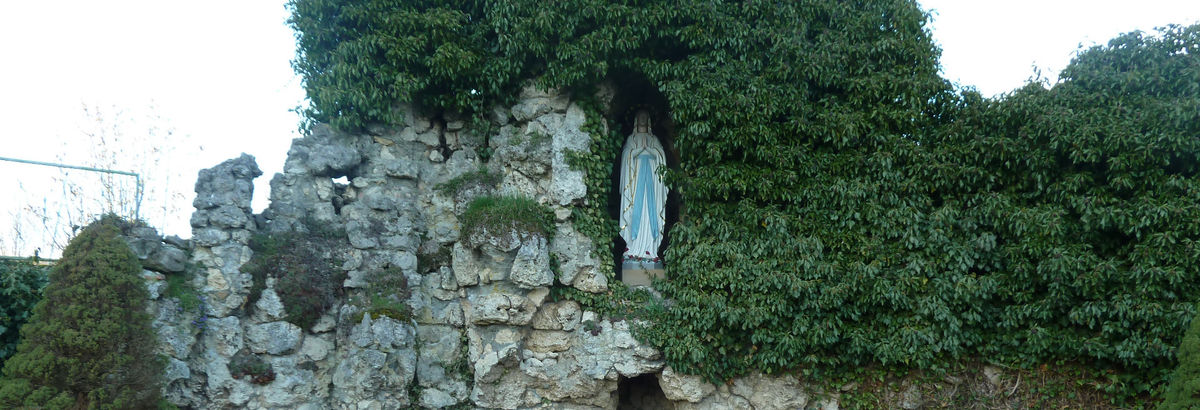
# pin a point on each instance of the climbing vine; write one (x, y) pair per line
(592, 219)
(845, 205)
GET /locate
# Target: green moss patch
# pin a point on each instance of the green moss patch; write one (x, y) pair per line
(498, 214)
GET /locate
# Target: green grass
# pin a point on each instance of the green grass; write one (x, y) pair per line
(179, 286)
(496, 214)
(383, 307)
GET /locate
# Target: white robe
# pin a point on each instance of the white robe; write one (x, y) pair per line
(643, 196)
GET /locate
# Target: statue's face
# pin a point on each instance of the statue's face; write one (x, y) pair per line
(642, 122)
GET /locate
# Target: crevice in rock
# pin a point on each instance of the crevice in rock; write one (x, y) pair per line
(339, 191)
(443, 146)
(641, 393)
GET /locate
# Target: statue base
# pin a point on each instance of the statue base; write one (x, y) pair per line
(640, 273)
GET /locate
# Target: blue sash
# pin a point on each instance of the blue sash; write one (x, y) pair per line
(645, 187)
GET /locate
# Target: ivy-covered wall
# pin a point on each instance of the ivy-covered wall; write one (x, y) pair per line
(842, 204)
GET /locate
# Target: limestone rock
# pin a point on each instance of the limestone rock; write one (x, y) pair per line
(531, 267)
(680, 387)
(484, 331)
(143, 241)
(465, 269)
(567, 184)
(778, 392)
(229, 216)
(223, 335)
(275, 337)
(499, 115)
(592, 281)
(175, 340)
(324, 153)
(501, 308)
(155, 288)
(530, 108)
(269, 305)
(175, 369)
(992, 375)
(436, 399)
(209, 237)
(573, 251)
(910, 397)
(442, 367)
(382, 333)
(167, 259)
(227, 183)
(315, 348)
(377, 366)
(564, 315)
(324, 324)
(548, 341)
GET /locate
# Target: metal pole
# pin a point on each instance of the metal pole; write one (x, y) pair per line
(137, 178)
(31, 259)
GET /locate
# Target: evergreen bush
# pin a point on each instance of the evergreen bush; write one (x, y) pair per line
(89, 343)
(21, 284)
(1184, 390)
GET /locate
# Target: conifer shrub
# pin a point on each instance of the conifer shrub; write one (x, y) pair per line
(21, 284)
(306, 268)
(89, 343)
(1184, 390)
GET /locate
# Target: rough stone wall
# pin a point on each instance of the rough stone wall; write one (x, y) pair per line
(482, 333)
(161, 257)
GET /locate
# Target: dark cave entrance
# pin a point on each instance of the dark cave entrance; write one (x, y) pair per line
(641, 393)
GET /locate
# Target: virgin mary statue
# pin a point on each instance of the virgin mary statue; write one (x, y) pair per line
(643, 194)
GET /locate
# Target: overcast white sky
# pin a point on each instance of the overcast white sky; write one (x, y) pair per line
(218, 73)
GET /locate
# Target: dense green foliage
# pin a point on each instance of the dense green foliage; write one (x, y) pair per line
(306, 268)
(89, 343)
(496, 215)
(1091, 190)
(1184, 390)
(21, 284)
(842, 204)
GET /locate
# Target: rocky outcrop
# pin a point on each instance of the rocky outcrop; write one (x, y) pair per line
(177, 327)
(482, 330)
